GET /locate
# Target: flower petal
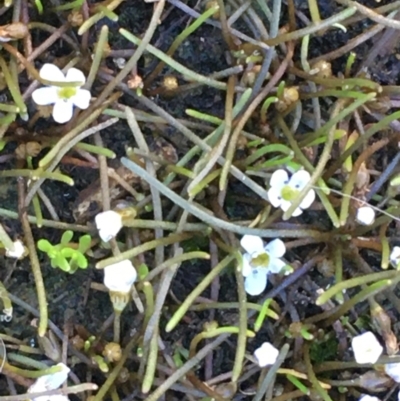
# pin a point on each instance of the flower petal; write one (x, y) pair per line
(274, 197)
(120, 276)
(395, 256)
(109, 223)
(297, 212)
(276, 248)
(246, 268)
(308, 200)
(51, 72)
(366, 348)
(252, 244)
(45, 96)
(50, 382)
(276, 265)
(286, 205)
(279, 179)
(62, 111)
(365, 215)
(266, 355)
(81, 99)
(299, 179)
(256, 282)
(75, 75)
(393, 370)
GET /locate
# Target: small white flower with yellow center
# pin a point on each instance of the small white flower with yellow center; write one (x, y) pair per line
(395, 257)
(365, 215)
(266, 355)
(259, 261)
(63, 98)
(120, 276)
(50, 382)
(284, 190)
(366, 348)
(109, 223)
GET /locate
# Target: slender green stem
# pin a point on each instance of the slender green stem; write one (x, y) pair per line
(183, 370)
(367, 292)
(151, 363)
(314, 11)
(214, 333)
(98, 56)
(7, 305)
(346, 13)
(5, 239)
(338, 260)
(32, 374)
(176, 260)
(131, 253)
(37, 273)
(263, 313)
(177, 316)
(211, 220)
(179, 39)
(186, 72)
(116, 371)
(13, 87)
(37, 174)
(241, 341)
(353, 282)
(311, 375)
(270, 376)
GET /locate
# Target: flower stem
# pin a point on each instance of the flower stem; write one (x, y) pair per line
(367, 292)
(177, 316)
(98, 56)
(311, 375)
(243, 332)
(13, 87)
(179, 40)
(7, 305)
(151, 363)
(186, 72)
(211, 220)
(214, 333)
(35, 265)
(346, 13)
(353, 282)
(116, 371)
(5, 239)
(131, 253)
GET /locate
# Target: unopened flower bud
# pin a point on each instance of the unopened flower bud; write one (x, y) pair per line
(16, 30)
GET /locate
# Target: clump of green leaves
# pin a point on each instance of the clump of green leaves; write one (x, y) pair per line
(63, 255)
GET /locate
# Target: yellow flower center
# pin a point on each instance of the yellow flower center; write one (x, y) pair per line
(261, 260)
(288, 193)
(66, 93)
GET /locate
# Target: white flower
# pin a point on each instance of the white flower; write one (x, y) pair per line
(266, 355)
(63, 98)
(17, 252)
(395, 257)
(50, 382)
(393, 370)
(284, 190)
(120, 276)
(366, 348)
(108, 223)
(366, 397)
(259, 260)
(365, 215)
